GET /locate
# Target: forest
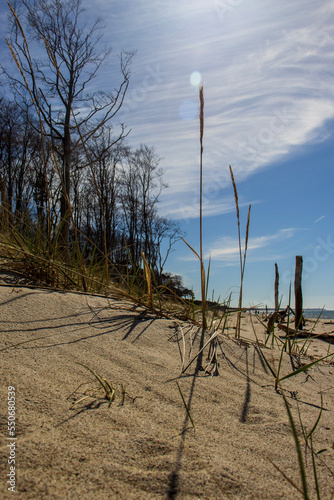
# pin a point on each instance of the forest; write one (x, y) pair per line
(67, 170)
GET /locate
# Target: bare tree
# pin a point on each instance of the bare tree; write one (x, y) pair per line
(60, 84)
(141, 183)
(151, 184)
(18, 147)
(105, 156)
(165, 234)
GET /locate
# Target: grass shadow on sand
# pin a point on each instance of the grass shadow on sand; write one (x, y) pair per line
(173, 483)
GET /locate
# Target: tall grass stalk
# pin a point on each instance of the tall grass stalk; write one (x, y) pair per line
(242, 258)
(201, 121)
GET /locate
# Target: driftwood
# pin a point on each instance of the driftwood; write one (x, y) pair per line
(328, 337)
(278, 317)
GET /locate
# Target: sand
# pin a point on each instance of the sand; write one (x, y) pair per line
(144, 445)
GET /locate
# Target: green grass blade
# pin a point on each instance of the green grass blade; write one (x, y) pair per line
(298, 449)
(315, 473)
(97, 376)
(303, 368)
(318, 419)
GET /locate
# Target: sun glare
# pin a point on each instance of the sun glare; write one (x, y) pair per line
(196, 78)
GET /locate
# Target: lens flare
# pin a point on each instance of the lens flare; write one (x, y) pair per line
(196, 78)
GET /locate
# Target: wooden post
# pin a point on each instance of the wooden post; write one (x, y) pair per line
(276, 288)
(298, 293)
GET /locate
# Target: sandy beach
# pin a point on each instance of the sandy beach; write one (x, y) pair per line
(223, 441)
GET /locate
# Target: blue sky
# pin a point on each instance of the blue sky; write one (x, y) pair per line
(268, 75)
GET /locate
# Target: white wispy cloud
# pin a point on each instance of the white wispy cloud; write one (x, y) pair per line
(226, 249)
(176, 208)
(268, 81)
(267, 72)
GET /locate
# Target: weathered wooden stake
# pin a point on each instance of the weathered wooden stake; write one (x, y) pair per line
(298, 293)
(276, 288)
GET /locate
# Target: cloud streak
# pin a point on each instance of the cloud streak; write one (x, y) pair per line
(268, 79)
(226, 249)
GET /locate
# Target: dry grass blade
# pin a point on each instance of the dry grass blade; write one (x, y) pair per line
(191, 248)
(285, 476)
(246, 239)
(212, 366)
(19, 26)
(18, 66)
(200, 351)
(183, 355)
(148, 278)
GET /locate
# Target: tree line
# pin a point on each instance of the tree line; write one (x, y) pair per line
(64, 162)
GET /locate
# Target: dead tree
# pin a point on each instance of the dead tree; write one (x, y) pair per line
(58, 85)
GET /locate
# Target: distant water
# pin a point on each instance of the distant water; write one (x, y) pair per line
(314, 313)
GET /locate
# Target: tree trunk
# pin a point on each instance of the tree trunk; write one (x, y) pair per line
(65, 207)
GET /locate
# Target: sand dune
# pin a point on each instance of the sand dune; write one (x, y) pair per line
(145, 446)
